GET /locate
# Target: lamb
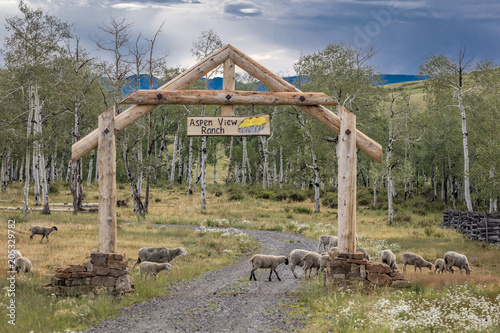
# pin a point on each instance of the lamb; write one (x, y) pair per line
(153, 268)
(267, 261)
(296, 259)
(389, 259)
(416, 260)
(452, 258)
(440, 267)
(314, 260)
(325, 241)
(158, 254)
(44, 231)
(365, 254)
(23, 265)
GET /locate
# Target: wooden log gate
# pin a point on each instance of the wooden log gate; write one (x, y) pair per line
(283, 93)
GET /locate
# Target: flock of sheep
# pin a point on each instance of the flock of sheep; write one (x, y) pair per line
(152, 260)
(310, 259)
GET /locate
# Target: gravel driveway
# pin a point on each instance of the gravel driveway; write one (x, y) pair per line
(223, 300)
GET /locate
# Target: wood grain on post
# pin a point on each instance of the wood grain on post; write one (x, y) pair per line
(228, 84)
(347, 182)
(325, 116)
(134, 112)
(224, 98)
(107, 181)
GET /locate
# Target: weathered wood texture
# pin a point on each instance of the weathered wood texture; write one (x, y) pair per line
(224, 98)
(135, 112)
(228, 84)
(107, 182)
(328, 118)
(325, 116)
(347, 182)
(475, 226)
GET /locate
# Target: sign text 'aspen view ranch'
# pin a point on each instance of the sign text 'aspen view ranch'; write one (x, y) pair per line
(228, 125)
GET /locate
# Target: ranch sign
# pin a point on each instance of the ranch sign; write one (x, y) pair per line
(228, 125)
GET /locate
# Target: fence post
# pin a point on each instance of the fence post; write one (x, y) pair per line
(486, 223)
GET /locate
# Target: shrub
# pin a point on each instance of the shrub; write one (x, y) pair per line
(297, 196)
(302, 210)
(330, 200)
(236, 197)
(280, 196)
(264, 195)
(54, 188)
(157, 199)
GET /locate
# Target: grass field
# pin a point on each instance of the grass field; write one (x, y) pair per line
(470, 301)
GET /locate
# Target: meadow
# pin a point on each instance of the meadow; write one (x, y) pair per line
(432, 303)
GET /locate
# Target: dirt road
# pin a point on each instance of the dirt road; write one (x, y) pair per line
(223, 300)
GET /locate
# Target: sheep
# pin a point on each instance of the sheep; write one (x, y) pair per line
(440, 267)
(158, 254)
(313, 260)
(416, 260)
(365, 254)
(23, 265)
(153, 268)
(296, 259)
(44, 231)
(267, 261)
(325, 241)
(452, 258)
(334, 241)
(389, 259)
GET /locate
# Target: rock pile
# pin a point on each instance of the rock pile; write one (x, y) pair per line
(345, 268)
(104, 271)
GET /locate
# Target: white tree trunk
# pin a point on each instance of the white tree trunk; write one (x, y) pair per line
(172, 171)
(141, 174)
(375, 191)
(281, 167)
(91, 168)
(244, 163)
(97, 167)
(190, 163)
(204, 155)
(466, 152)
(179, 174)
(317, 180)
(215, 162)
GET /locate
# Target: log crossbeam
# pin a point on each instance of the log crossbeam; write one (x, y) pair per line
(221, 97)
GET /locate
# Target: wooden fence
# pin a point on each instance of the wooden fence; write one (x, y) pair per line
(475, 226)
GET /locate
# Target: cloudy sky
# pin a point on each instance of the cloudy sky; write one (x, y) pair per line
(277, 32)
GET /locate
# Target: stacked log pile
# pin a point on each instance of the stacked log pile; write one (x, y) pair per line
(104, 271)
(345, 269)
(475, 226)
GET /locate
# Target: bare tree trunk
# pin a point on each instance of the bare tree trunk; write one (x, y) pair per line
(179, 177)
(28, 157)
(215, 162)
(77, 166)
(21, 170)
(281, 167)
(97, 167)
(91, 168)
(230, 164)
(466, 152)
(140, 175)
(172, 172)
(5, 170)
(317, 180)
(190, 163)
(244, 163)
(204, 155)
(265, 166)
(375, 191)
(249, 171)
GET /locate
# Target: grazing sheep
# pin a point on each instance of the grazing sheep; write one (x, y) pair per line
(44, 231)
(452, 258)
(296, 259)
(440, 267)
(334, 242)
(365, 254)
(324, 241)
(267, 261)
(158, 254)
(389, 259)
(23, 265)
(153, 268)
(313, 260)
(416, 260)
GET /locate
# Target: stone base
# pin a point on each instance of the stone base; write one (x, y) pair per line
(104, 271)
(348, 271)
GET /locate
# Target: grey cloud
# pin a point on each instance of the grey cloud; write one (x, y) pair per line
(242, 8)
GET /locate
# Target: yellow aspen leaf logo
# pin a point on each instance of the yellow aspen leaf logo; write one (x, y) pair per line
(252, 125)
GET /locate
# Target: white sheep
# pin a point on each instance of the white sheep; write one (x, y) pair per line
(23, 265)
(296, 259)
(40, 230)
(267, 261)
(365, 254)
(158, 254)
(389, 259)
(334, 242)
(440, 267)
(153, 268)
(314, 260)
(324, 241)
(452, 258)
(416, 260)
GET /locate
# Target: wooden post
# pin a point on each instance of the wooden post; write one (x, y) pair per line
(347, 182)
(228, 84)
(107, 181)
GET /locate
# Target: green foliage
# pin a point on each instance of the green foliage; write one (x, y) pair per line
(302, 210)
(330, 200)
(265, 195)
